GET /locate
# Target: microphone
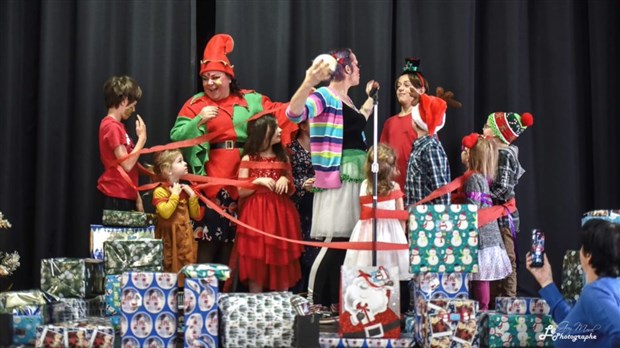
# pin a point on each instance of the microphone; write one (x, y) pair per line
(374, 90)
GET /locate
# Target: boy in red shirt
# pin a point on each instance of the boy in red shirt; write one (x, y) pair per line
(121, 94)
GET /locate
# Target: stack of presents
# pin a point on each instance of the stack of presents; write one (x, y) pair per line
(443, 248)
(121, 293)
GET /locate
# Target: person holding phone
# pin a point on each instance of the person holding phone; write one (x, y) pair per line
(593, 321)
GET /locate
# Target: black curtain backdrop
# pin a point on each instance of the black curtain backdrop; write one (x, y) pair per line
(555, 59)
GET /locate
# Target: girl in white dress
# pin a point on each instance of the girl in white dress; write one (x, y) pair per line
(389, 230)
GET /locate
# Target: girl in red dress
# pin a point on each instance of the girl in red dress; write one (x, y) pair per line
(265, 262)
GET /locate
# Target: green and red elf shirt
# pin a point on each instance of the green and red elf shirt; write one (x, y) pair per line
(229, 125)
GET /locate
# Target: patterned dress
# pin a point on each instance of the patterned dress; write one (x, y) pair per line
(492, 257)
(269, 262)
(302, 171)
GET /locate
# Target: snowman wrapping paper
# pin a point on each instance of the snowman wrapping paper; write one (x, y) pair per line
(370, 302)
(443, 238)
(514, 330)
(149, 309)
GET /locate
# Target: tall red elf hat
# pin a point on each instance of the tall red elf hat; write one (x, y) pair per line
(214, 57)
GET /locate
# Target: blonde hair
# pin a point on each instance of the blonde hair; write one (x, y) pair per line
(483, 157)
(386, 158)
(163, 162)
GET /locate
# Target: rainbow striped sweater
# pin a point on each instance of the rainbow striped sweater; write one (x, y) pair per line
(324, 112)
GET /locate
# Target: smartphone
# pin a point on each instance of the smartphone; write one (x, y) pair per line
(538, 248)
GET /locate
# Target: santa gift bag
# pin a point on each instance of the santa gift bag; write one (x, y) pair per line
(443, 238)
(369, 302)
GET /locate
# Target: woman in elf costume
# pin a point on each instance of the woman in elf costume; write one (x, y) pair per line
(221, 109)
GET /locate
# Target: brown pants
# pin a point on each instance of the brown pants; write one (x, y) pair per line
(507, 286)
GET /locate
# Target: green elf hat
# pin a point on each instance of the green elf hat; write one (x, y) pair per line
(508, 126)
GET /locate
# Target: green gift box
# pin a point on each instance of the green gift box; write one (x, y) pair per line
(14, 300)
(77, 278)
(124, 218)
(100, 234)
(443, 238)
(516, 330)
(144, 255)
(206, 270)
(572, 276)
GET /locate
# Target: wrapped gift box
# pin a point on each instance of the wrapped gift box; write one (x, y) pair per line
(145, 255)
(606, 214)
(84, 333)
(332, 340)
(409, 319)
(447, 323)
(256, 320)
(149, 309)
(443, 238)
(207, 270)
(514, 330)
(370, 302)
(15, 299)
(427, 286)
(124, 218)
(100, 234)
(66, 277)
(25, 328)
(573, 278)
(70, 309)
(521, 305)
(113, 294)
(200, 312)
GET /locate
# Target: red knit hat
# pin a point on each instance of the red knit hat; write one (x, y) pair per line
(507, 126)
(214, 57)
(432, 116)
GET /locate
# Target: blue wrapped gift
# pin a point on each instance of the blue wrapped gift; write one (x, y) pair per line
(149, 309)
(200, 312)
(427, 286)
(25, 328)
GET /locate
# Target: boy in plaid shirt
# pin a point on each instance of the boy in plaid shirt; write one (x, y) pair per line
(504, 128)
(427, 169)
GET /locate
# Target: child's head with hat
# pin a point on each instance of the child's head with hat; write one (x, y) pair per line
(410, 78)
(507, 126)
(432, 115)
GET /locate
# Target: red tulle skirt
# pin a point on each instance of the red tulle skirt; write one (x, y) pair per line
(269, 262)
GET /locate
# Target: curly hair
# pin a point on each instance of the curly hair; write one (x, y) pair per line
(386, 158)
(163, 162)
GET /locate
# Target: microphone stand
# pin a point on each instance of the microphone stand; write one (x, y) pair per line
(375, 175)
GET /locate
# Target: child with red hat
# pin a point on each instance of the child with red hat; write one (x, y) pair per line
(504, 128)
(479, 155)
(427, 169)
